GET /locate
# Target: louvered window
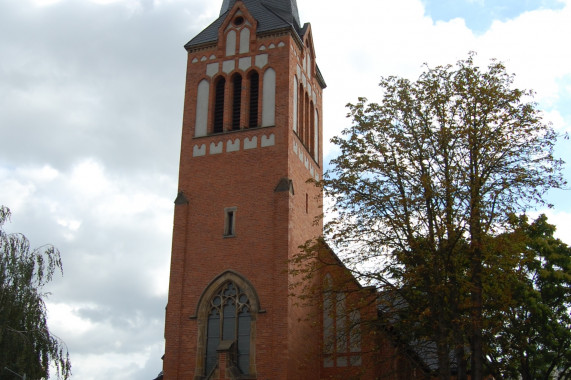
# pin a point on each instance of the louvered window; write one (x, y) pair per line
(237, 101)
(254, 95)
(219, 106)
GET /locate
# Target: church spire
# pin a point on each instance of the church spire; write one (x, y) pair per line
(287, 8)
(270, 15)
(226, 6)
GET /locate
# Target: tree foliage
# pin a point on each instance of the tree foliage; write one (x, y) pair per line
(26, 344)
(533, 338)
(424, 186)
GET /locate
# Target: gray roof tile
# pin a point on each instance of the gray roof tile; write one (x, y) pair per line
(270, 15)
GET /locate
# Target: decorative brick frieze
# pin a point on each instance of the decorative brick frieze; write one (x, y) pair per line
(307, 161)
(233, 145)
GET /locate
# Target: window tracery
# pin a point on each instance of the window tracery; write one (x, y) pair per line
(341, 329)
(229, 319)
(226, 316)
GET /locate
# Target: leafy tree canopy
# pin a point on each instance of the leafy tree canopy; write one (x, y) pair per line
(533, 337)
(424, 187)
(26, 344)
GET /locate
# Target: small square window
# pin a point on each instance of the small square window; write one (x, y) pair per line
(230, 221)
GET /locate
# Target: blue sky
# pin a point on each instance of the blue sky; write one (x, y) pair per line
(91, 99)
(479, 14)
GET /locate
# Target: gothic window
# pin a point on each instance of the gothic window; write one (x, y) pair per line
(218, 125)
(328, 324)
(254, 87)
(295, 90)
(316, 136)
(236, 101)
(226, 320)
(311, 129)
(300, 113)
(341, 329)
(306, 121)
(229, 319)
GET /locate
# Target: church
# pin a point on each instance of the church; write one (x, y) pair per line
(251, 144)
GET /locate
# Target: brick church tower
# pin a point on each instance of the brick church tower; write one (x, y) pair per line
(251, 139)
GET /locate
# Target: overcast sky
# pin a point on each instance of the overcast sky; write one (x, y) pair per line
(91, 96)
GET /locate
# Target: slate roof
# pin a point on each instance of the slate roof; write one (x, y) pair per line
(270, 15)
(390, 303)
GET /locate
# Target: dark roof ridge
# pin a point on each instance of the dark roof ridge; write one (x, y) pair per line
(295, 27)
(270, 18)
(291, 11)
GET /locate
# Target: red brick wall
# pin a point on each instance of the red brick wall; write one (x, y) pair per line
(269, 226)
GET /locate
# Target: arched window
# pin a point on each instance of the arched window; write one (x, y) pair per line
(229, 320)
(295, 105)
(311, 129)
(306, 122)
(341, 329)
(254, 87)
(236, 101)
(226, 321)
(300, 112)
(328, 324)
(218, 117)
(316, 142)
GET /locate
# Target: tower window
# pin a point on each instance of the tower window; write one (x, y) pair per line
(219, 106)
(237, 101)
(229, 320)
(254, 95)
(226, 317)
(230, 221)
(238, 20)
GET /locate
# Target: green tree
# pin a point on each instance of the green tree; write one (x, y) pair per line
(533, 340)
(26, 344)
(423, 182)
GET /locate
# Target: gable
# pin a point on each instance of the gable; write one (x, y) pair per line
(270, 15)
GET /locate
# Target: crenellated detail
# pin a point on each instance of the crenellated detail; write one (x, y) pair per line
(233, 145)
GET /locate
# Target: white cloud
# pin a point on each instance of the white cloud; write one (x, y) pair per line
(14, 193)
(65, 322)
(554, 117)
(356, 46)
(91, 93)
(561, 219)
(531, 46)
(88, 179)
(397, 38)
(43, 3)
